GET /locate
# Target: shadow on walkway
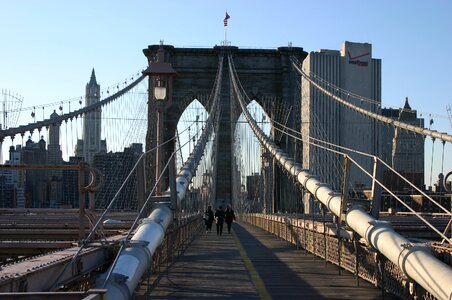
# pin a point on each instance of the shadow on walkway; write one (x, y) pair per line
(213, 267)
(289, 273)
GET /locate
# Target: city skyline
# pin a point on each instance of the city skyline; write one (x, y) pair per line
(61, 53)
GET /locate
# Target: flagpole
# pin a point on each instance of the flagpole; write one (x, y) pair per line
(225, 21)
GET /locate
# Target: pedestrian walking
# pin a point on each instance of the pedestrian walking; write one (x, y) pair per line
(219, 219)
(229, 217)
(208, 218)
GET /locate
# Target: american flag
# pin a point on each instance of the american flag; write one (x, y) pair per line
(226, 19)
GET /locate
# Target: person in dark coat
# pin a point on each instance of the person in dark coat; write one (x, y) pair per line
(229, 217)
(219, 219)
(208, 218)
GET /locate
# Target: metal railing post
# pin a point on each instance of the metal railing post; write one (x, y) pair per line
(81, 200)
(141, 183)
(376, 189)
(343, 209)
(356, 260)
(324, 235)
(313, 234)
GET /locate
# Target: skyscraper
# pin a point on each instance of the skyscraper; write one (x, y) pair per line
(352, 69)
(91, 142)
(54, 154)
(54, 157)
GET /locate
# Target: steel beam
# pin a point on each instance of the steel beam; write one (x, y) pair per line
(39, 273)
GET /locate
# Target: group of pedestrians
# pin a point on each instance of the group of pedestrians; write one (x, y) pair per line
(220, 216)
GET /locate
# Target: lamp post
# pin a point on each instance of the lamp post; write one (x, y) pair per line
(161, 76)
(266, 165)
(205, 189)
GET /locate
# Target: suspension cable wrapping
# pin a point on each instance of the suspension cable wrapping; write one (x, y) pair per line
(412, 260)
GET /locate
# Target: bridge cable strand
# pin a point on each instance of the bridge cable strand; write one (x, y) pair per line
(297, 134)
(113, 200)
(125, 126)
(403, 203)
(110, 206)
(86, 241)
(390, 244)
(333, 161)
(185, 175)
(381, 161)
(10, 109)
(370, 175)
(189, 168)
(141, 211)
(139, 215)
(69, 101)
(145, 205)
(416, 129)
(57, 120)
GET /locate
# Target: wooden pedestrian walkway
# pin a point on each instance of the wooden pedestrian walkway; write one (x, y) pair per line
(252, 264)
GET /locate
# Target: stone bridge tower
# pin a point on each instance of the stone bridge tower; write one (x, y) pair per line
(267, 77)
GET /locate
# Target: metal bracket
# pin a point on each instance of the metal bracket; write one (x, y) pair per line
(119, 278)
(134, 243)
(407, 246)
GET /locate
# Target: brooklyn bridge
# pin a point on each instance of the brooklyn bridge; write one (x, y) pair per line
(104, 196)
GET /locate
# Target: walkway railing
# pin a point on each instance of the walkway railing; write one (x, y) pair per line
(320, 238)
(177, 239)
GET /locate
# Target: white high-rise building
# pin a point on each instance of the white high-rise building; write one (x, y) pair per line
(91, 143)
(352, 69)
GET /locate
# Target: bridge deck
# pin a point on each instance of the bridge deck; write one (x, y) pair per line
(252, 264)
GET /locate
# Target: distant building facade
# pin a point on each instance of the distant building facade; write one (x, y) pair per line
(402, 150)
(35, 180)
(352, 69)
(253, 191)
(34, 188)
(91, 142)
(12, 182)
(115, 167)
(70, 197)
(54, 157)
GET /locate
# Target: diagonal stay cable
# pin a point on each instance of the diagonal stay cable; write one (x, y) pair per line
(357, 152)
(402, 202)
(110, 205)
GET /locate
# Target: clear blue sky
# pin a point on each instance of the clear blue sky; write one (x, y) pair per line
(48, 48)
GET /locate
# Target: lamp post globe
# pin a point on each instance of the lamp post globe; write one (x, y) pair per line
(161, 74)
